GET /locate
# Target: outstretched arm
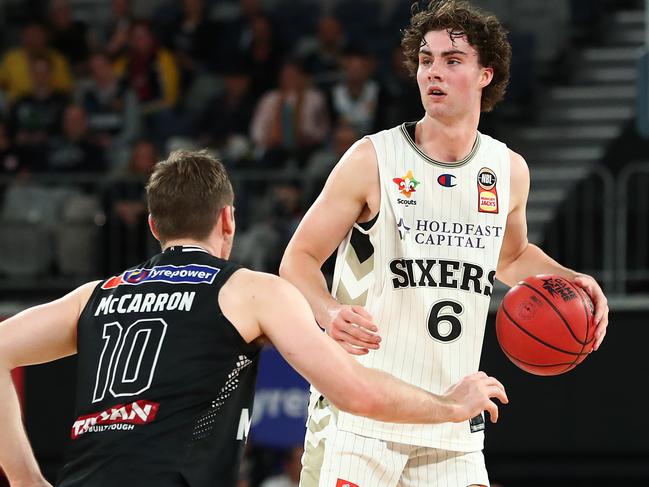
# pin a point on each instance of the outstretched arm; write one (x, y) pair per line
(286, 319)
(520, 259)
(37, 335)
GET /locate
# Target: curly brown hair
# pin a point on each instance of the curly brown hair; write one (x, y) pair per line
(482, 30)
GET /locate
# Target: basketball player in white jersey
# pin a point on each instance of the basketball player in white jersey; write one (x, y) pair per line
(191, 382)
(425, 216)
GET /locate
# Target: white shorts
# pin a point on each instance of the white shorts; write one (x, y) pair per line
(335, 458)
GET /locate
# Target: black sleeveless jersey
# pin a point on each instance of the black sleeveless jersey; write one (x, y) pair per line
(165, 382)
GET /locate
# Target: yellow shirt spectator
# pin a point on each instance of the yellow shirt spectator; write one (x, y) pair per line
(15, 74)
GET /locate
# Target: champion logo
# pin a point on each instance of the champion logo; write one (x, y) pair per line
(447, 180)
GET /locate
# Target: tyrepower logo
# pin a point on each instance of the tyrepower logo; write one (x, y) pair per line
(119, 417)
(171, 274)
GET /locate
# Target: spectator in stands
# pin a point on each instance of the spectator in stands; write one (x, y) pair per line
(15, 71)
(115, 35)
(291, 120)
(192, 40)
(322, 55)
(112, 108)
(126, 208)
(9, 160)
(291, 468)
(235, 27)
(276, 216)
(403, 100)
(358, 99)
(262, 55)
(36, 117)
(74, 151)
(225, 121)
(153, 74)
(321, 163)
(69, 36)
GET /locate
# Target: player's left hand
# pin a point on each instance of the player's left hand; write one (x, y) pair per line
(589, 284)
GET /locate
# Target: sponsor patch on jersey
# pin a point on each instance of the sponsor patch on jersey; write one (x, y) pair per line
(403, 229)
(487, 193)
(406, 185)
(447, 180)
(122, 417)
(171, 274)
(345, 483)
(476, 423)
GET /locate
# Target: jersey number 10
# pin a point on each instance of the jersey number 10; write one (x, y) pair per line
(128, 360)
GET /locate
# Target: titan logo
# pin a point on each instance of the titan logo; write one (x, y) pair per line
(119, 417)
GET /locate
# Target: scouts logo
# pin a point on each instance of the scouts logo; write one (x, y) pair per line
(406, 184)
(487, 193)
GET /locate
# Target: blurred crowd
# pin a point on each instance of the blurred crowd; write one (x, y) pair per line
(93, 93)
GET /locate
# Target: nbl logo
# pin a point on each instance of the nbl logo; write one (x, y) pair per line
(487, 192)
(487, 179)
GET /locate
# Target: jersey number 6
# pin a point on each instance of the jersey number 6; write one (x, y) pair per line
(443, 322)
(128, 360)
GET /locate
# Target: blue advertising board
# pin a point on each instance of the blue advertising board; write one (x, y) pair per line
(281, 400)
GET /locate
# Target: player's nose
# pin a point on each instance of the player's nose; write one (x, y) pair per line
(434, 71)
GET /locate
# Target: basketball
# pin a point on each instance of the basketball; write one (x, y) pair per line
(545, 325)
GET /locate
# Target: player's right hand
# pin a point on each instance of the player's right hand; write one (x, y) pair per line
(354, 329)
(473, 395)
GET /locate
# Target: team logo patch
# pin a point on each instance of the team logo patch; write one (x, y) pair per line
(345, 483)
(487, 193)
(407, 184)
(447, 180)
(171, 274)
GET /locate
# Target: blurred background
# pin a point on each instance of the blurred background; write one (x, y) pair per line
(94, 92)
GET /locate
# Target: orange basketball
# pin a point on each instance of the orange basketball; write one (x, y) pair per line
(545, 325)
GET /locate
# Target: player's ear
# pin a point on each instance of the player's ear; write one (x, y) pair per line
(227, 220)
(486, 76)
(153, 228)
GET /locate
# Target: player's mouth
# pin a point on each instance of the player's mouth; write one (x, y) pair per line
(435, 92)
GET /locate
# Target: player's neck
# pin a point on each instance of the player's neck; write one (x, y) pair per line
(448, 142)
(213, 248)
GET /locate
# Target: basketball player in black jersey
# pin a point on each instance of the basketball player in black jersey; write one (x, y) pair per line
(168, 354)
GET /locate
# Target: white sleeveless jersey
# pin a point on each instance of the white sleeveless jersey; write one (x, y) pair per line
(425, 270)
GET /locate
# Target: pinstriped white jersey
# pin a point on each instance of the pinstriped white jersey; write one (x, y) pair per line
(425, 270)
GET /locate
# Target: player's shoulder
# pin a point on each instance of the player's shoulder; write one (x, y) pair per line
(254, 286)
(359, 163)
(79, 297)
(518, 167)
(361, 155)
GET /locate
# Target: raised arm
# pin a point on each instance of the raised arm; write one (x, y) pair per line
(520, 259)
(350, 194)
(37, 335)
(285, 318)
